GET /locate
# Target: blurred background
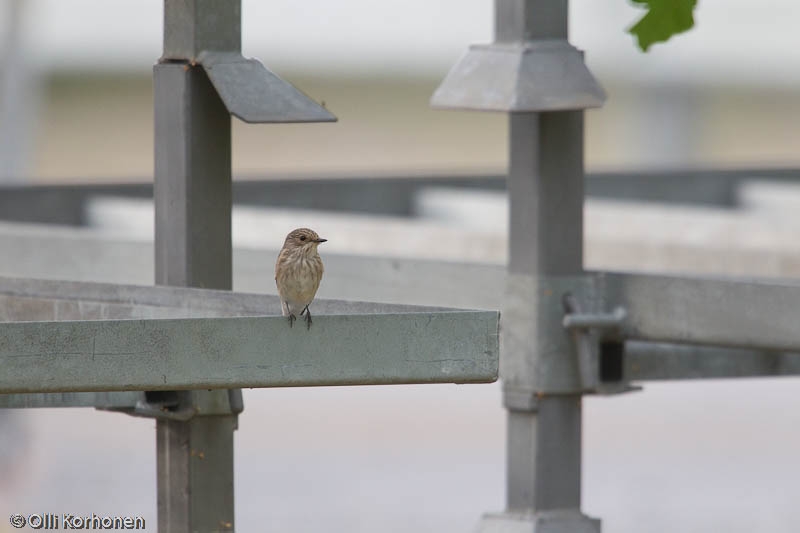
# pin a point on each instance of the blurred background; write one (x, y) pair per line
(76, 108)
(77, 100)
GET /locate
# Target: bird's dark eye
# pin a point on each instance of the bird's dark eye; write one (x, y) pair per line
(302, 237)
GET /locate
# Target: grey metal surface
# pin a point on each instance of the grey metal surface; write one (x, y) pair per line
(87, 255)
(613, 319)
(546, 200)
(546, 239)
(192, 179)
(192, 194)
(78, 256)
(546, 75)
(648, 361)
(537, 349)
(102, 400)
(191, 26)
(546, 242)
(253, 93)
(742, 315)
(25, 299)
(529, 67)
(756, 315)
(531, 71)
(556, 521)
(544, 450)
(173, 354)
(208, 33)
(522, 20)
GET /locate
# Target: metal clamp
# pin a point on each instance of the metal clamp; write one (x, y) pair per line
(612, 320)
(183, 405)
(149, 410)
(600, 351)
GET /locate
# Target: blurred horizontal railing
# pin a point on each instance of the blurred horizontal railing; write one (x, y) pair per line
(387, 194)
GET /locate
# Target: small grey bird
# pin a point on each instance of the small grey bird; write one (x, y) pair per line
(298, 272)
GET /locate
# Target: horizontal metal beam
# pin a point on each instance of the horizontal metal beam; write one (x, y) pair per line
(733, 313)
(645, 361)
(101, 400)
(24, 299)
(225, 353)
(31, 299)
(385, 194)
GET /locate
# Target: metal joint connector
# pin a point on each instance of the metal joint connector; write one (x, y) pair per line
(612, 320)
(184, 405)
(600, 350)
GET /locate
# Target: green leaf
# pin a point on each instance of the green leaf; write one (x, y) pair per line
(664, 18)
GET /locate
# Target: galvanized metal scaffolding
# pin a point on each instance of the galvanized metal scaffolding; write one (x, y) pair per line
(532, 72)
(201, 65)
(91, 343)
(566, 332)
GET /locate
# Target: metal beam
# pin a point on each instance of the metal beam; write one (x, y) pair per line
(101, 400)
(28, 299)
(219, 353)
(735, 313)
(387, 193)
(42, 300)
(647, 361)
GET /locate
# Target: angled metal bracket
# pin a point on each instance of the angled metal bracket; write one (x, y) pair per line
(255, 94)
(208, 33)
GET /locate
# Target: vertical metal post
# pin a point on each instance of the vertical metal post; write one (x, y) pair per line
(193, 249)
(534, 74)
(545, 186)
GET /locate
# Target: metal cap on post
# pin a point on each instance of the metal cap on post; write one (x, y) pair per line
(532, 72)
(530, 67)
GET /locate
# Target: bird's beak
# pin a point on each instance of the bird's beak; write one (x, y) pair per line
(321, 240)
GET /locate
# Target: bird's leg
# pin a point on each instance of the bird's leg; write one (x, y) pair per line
(288, 313)
(308, 317)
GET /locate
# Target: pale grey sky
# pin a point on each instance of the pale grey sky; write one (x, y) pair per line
(744, 41)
